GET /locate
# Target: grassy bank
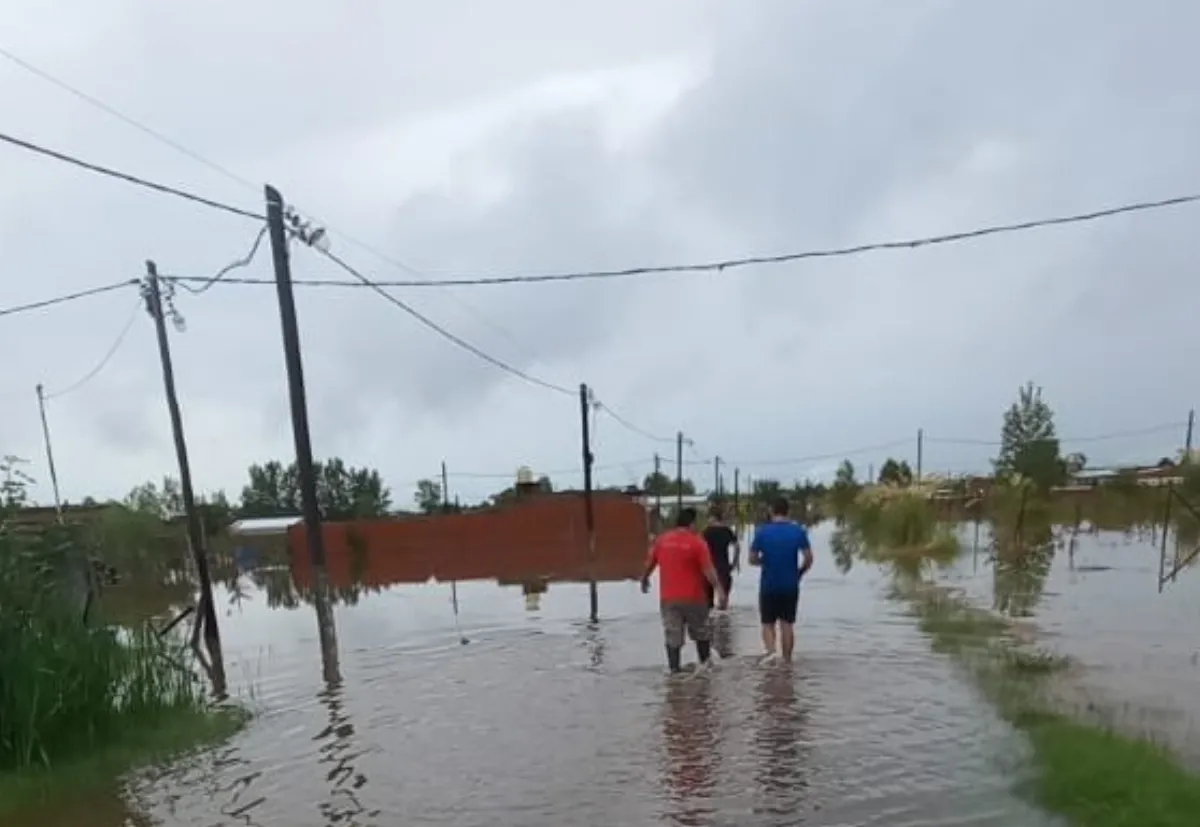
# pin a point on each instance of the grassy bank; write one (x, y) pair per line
(81, 702)
(1091, 776)
(142, 741)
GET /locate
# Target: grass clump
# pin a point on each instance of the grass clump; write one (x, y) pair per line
(77, 695)
(1096, 778)
(900, 525)
(1090, 775)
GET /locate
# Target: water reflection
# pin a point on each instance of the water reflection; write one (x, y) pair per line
(723, 635)
(844, 546)
(1020, 568)
(690, 750)
(338, 753)
(779, 743)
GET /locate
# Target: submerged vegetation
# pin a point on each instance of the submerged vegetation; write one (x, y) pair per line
(74, 692)
(1084, 772)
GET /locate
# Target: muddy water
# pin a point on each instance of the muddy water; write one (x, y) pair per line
(539, 720)
(1138, 651)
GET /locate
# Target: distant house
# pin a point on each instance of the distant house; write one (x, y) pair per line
(262, 536)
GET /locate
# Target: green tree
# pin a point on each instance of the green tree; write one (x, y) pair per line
(1028, 443)
(14, 482)
(428, 496)
(343, 492)
(895, 473)
(663, 485)
(845, 487)
(766, 491)
(164, 502)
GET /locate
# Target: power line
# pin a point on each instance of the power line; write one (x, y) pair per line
(128, 177)
(446, 334)
(625, 423)
(233, 176)
(1153, 429)
(109, 354)
(141, 127)
(886, 446)
(489, 475)
(244, 261)
(69, 297)
(751, 261)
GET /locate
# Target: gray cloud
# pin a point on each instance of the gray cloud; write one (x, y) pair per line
(528, 138)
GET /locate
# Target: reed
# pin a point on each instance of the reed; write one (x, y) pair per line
(68, 687)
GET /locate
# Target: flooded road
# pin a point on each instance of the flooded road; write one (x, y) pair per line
(1137, 650)
(540, 720)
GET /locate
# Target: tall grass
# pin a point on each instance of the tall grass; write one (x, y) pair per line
(67, 687)
(898, 523)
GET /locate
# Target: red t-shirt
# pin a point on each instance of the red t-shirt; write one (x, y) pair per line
(681, 555)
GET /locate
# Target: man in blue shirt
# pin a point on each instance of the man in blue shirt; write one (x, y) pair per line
(777, 547)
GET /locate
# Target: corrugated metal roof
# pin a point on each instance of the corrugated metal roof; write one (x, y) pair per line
(263, 525)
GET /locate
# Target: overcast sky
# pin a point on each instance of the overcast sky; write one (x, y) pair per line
(479, 138)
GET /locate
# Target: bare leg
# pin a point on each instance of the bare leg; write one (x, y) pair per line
(768, 637)
(787, 639)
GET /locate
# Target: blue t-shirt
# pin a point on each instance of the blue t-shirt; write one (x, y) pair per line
(779, 545)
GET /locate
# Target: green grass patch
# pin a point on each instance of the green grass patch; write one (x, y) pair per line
(1096, 778)
(1091, 776)
(139, 741)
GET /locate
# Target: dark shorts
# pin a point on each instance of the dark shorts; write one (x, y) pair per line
(725, 578)
(778, 607)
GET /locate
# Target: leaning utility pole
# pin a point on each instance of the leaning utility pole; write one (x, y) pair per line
(304, 457)
(41, 397)
(445, 489)
(589, 515)
(206, 611)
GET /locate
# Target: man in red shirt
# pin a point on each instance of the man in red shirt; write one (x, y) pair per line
(685, 571)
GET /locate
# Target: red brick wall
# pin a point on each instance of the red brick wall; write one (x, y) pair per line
(543, 536)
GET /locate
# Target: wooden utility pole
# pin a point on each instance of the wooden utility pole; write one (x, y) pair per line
(206, 611)
(589, 517)
(445, 489)
(716, 478)
(678, 474)
(41, 398)
(658, 480)
(920, 452)
(737, 511)
(1187, 441)
(299, 408)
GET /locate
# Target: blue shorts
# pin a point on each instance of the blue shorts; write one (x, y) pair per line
(778, 607)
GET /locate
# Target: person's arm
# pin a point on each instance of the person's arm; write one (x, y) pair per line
(736, 563)
(651, 565)
(806, 549)
(755, 550)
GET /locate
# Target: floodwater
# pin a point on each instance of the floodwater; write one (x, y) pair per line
(540, 720)
(1097, 601)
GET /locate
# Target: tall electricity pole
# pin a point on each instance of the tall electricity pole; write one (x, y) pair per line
(299, 409)
(206, 611)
